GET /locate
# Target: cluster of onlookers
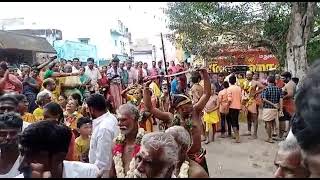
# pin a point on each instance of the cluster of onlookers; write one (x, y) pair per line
(65, 116)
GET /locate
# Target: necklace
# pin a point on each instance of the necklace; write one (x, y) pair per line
(118, 151)
(177, 121)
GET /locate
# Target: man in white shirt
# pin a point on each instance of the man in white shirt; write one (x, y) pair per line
(46, 141)
(132, 73)
(76, 65)
(105, 129)
(145, 70)
(93, 74)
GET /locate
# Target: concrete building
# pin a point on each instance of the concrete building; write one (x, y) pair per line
(110, 38)
(121, 40)
(144, 51)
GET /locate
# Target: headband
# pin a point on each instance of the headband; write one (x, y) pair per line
(186, 101)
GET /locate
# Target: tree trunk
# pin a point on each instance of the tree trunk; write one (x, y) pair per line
(300, 29)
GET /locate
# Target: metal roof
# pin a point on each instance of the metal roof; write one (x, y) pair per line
(11, 40)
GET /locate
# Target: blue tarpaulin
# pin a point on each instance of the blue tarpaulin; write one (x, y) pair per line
(69, 50)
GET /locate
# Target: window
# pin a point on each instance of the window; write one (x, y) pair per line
(84, 40)
(115, 42)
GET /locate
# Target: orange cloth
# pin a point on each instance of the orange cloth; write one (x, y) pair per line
(223, 100)
(289, 106)
(234, 95)
(147, 125)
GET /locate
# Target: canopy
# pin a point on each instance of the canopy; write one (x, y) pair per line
(11, 40)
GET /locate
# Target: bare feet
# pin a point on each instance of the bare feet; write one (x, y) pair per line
(253, 137)
(247, 134)
(207, 141)
(203, 138)
(222, 135)
(269, 140)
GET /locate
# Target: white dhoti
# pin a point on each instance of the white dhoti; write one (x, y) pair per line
(269, 114)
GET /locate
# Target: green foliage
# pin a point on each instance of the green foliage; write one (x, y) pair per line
(313, 51)
(199, 24)
(247, 23)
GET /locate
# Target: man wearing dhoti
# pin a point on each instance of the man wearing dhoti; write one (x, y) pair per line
(251, 89)
(272, 105)
(113, 75)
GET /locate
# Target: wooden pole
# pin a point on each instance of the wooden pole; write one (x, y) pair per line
(165, 67)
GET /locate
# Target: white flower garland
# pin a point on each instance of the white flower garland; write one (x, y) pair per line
(118, 157)
(184, 169)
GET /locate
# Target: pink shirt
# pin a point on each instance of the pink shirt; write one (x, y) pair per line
(234, 96)
(154, 72)
(174, 69)
(7, 86)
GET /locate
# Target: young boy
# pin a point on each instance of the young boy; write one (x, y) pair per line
(84, 126)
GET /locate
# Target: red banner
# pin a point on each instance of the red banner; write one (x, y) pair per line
(258, 60)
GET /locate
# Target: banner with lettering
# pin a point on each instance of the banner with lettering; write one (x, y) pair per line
(258, 60)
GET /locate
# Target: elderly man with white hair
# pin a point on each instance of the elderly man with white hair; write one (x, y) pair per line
(186, 168)
(158, 156)
(289, 160)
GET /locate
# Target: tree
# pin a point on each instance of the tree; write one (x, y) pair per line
(268, 24)
(299, 33)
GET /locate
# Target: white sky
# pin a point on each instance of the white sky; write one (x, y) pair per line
(83, 16)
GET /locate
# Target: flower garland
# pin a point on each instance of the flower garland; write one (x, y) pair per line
(177, 121)
(184, 169)
(118, 151)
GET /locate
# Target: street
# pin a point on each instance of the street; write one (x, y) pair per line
(250, 158)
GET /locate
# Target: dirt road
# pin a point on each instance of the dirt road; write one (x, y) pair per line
(250, 158)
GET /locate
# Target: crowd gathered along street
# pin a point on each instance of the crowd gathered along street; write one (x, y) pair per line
(63, 119)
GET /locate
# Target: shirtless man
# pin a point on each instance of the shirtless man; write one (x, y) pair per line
(158, 156)
(128, 116)
(251, 89)
(288, 102)
(187, 115)
(183, 138)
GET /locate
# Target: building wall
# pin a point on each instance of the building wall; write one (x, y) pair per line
(69, 50)
(145, 58)
(120, 39)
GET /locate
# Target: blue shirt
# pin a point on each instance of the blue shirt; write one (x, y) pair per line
(174, 86)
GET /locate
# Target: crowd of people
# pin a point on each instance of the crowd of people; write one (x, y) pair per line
(66, 119)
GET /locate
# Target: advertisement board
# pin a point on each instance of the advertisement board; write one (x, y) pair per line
(258, 60)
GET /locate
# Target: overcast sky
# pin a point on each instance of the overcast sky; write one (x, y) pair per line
(143, 19)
